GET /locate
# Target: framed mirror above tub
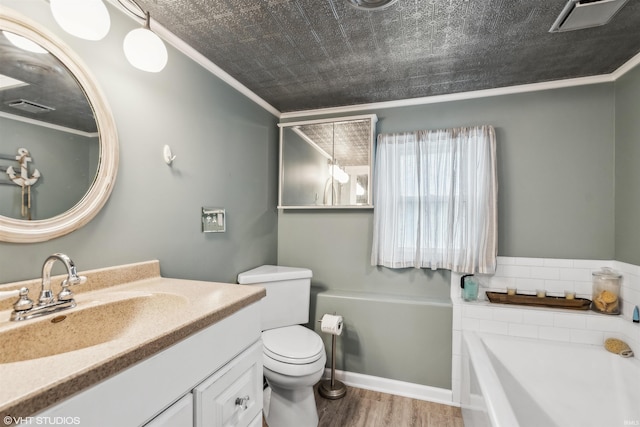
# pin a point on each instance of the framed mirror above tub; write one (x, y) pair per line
(327, 163)
(58, 138)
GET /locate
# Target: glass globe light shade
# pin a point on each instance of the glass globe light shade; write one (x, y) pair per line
(87, 19)
(145, 50)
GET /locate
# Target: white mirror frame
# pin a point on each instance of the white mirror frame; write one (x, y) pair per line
(22, 231)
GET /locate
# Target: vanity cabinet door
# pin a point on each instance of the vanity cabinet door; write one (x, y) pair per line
(233, 395)
(180, 414)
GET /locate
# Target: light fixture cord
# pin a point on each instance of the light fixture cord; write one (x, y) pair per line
(141, 14)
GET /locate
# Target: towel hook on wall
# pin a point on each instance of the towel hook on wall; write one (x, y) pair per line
(168, 155)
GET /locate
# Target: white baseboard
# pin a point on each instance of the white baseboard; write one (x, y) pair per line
(399, 388)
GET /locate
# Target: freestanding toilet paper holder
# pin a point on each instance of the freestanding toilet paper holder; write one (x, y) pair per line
(332, 388)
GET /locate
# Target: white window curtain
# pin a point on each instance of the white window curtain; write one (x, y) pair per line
(435, 198)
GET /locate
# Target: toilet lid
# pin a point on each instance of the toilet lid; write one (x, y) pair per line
(293, 344)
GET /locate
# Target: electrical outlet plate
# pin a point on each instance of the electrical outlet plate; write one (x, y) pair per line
(214, 220)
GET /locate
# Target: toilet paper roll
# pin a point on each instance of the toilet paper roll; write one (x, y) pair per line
(331, 324)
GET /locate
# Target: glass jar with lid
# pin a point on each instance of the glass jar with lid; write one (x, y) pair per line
(606, 291)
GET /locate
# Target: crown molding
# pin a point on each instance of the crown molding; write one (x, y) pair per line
(436, 99)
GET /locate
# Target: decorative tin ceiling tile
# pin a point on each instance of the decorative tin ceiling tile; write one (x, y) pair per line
(305, 54)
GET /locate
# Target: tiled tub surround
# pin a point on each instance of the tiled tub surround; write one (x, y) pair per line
(29, 386)
(555, 276)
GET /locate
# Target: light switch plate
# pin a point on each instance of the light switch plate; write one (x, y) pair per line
(214, 220)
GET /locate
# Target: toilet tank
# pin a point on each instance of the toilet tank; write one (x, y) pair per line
(288, 293)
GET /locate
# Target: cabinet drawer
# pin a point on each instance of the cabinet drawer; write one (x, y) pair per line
(233, 395)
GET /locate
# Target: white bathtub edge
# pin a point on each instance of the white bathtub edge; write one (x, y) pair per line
(498, 407)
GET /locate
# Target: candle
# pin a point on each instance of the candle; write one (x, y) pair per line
(511, 291)
(541, 293)
(569, 294)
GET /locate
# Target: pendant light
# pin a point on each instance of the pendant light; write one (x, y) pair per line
(86, 19)
(142, 47)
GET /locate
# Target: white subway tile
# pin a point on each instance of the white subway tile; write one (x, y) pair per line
(499, 282)
(505, 260)
(574, 321)
(631, 331)
(558, 286)
(529, 261)
(575, 274)
(538, 317)
(469, 324)
(583, 336)
(583, 288)
(515, 271)
(504, 314)
(601, 323)
(547, 273)
(492, 326)
(457, 318)
(522, 330)
(592, 264)
(553, 262)
(554, 334)
(456, 364)
(529, 284)
(456, 342)
(476, 312)
(627, 268)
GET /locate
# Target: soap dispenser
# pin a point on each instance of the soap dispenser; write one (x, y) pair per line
(469, 287)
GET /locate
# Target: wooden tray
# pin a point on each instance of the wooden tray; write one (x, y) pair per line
(554, 302)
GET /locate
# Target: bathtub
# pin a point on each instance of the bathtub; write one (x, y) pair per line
(520, 382)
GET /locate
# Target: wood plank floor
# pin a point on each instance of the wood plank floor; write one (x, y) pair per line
(365, 408)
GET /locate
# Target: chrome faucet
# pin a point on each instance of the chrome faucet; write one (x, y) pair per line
(46, 296)
(25, 309)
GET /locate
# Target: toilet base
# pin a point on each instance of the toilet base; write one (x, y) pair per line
(291, 408)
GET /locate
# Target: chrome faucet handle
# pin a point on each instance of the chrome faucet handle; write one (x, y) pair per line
(66, 294)
(24, 303)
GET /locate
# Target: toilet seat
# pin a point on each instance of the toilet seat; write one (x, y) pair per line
(295, 345)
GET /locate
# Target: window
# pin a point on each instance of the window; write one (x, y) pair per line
(436, 200)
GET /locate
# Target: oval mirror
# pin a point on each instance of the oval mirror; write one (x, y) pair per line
(58, 144)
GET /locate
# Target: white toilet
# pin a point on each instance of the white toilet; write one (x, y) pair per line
(293, 355)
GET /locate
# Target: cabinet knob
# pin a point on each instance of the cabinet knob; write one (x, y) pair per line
(243, 401)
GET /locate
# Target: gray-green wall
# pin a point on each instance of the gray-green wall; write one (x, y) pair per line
(556, 200)
(226, 148)
(628, 167)
(64, 160)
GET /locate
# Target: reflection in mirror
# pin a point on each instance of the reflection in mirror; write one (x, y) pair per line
(326, 163)
(49, 148)
(58, 145)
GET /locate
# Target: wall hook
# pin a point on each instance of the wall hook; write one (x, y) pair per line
(168, 155)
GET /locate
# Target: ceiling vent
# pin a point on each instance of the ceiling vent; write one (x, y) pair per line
(578, 14)
(370, 4)
(29, 106)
